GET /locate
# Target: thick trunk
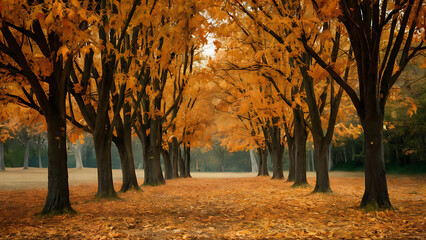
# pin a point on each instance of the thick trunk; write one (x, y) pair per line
(277, 151)
(291, 160)
(57, 200)
(39, 158)
(174, 151)
(321, 166)
(152, 169)
(2, 165)
(181, 163)
(167, 164)
(103, 159)
(27, 154)
(300, 137)
(263, 162)
(187, 161)
(123, 142)
(124, 146)
(376, 190)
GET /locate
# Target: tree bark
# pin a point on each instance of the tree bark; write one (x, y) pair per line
(300, 137)
(103, 158)
(263, 162)
(187, 160)
(277, 151)
(174, 151)
(2, 165)
(167, 164)
(291, 159)
(124, 146)
(153, 173)
(181, 163)
(376, 192)
(321, 167)
(57, 200)
(123, 142)
(102, 134)
(27, 154)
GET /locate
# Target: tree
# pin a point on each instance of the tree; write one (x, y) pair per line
(39, 141)
(76, 148)
(220, 153)
(394, 26)
(274, 60)
(100, 79)
(32, 54)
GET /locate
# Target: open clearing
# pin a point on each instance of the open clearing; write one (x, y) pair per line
(211, 206)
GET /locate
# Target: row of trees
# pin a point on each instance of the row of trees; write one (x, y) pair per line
(105, 67)
(299, 59)
(114, 68)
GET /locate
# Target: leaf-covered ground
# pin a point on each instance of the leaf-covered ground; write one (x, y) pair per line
(241, 208)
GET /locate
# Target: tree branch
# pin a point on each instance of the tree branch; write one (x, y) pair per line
(348, 89)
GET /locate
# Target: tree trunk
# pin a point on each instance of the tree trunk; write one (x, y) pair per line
(187, 161)
(277, 151)
(103, 158)
(2, 165)
(330, 156)
(153, 173)
(167, 164)
(300, 137)
(181, 163)
(78, 157)
(57, 200)
(27, 154)
(376, 191)
(253, 162)
(124, 146)
(263, 162)
(123, 141)
(76, 150)
(291, 159)
(321, 166)
(174, 151)
(39, 158)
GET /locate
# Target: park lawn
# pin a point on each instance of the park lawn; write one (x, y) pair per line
(221, 208)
